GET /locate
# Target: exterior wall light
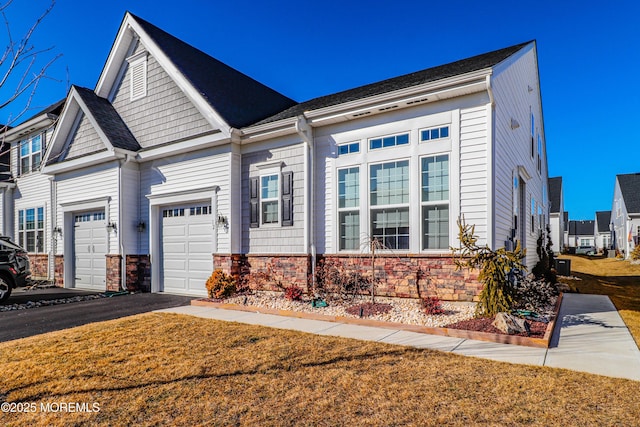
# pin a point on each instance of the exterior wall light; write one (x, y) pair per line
(141, 227)
(111, 227)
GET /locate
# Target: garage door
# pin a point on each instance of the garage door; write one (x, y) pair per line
(90, 245)
(187, 233)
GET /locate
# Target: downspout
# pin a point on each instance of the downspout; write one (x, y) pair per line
(54, 226)
(123, 260)
(306, 133)
(491, 222)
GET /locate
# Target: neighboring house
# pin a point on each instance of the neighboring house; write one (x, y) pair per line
(26, 197)
(176, 164)
(602, 230)
(625, 213)
(556, 214)
(565, 236)
(581, 233)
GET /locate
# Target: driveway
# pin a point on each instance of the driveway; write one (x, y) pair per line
(33, 321)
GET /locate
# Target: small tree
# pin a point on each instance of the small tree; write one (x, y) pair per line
(546, 259)
(498, 293)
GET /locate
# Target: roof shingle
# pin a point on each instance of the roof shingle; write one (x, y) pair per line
(630, 187)
(555, 193)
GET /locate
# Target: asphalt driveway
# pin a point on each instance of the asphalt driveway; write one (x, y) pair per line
(33, 321)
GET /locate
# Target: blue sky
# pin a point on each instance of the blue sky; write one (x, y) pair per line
(588, 59)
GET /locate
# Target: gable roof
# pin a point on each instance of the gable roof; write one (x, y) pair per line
(463, 66)
(236, 97)
(603, 218)
(630, 188)
(581, 228)
(555, 193)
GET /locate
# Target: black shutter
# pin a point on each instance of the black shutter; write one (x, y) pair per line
(254, 203)
(287, 198)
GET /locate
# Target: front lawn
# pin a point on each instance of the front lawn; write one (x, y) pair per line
(168, 369)
(618, 279)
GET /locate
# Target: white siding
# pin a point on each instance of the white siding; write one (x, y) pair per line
(34, 191)
(164, 115)
(85, 185)
(517, 93)
(130, 213)
(275, 238)
(201, 169)
(474, 196)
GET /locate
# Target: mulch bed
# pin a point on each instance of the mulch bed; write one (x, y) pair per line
(483, 324)
(368, 309)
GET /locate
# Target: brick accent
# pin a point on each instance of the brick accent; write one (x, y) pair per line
(287, 269)
(39, 266)
(113, 272)
(138, 273)
(58, 277)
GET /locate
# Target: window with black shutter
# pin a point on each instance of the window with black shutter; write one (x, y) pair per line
(287, 199)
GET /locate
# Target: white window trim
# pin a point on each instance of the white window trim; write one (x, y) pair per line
(395, 135)
(441, 138)
(276, 199)
(340, 210)
(23, 233)
(29, 142)
(434, 203)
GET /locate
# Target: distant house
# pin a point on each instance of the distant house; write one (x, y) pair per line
(176, 164)
(581, 233)
(556, 213)
(602, 230)
(565, 233)
(25, 198)
(625, 212)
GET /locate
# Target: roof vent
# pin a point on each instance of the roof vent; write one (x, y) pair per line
(361, 114)
(388, 108)
(417, 101)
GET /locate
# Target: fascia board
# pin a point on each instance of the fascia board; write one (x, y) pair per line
(268, 130)
(64, 126)
(81, 162)
(170, 149)
(26, 128)
(116, 56)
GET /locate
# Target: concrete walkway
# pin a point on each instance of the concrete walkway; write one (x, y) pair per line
(589, 337)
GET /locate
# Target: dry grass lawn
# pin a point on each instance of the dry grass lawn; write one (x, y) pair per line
(618, 279)
(164, 369)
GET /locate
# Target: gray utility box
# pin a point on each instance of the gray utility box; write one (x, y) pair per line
(563, 267)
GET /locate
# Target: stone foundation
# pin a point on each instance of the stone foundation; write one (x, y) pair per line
(406, 276)
(39, 266)
(114, 270)
(138, 273)
(58, 275)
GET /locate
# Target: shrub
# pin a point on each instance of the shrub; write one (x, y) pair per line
(332, 280)
(536, 295)
(432, 305)
(495, 266)
(635, 253)
(293, 293)
(220, 285)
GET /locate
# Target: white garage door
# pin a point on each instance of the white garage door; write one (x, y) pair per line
(187, 263)
(90, 245)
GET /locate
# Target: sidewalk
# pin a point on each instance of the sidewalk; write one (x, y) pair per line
(590, 337)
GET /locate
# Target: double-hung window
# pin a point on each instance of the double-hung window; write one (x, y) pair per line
(389, 203)
(30, 154)
(435, 202)
(31, 229)
(270, 198)
(349, 208)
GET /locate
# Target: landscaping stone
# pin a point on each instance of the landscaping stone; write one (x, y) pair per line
(510, 324)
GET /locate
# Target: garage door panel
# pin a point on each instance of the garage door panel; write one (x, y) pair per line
(174, 230)
(199, 248)
(175, 248)
(90, 249)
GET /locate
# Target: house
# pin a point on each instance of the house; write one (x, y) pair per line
(581, 233)
(176, 164)
(556, 214)
(566, 231)
(625, 213)
(602, 230)
(25, 195)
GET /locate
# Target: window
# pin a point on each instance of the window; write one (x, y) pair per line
(348, 208)
(533, 132)
(269, 199)
(434, 133)
(533, 214)
(389, 200)
(30, 154)
(199, 210)
(353, 147)
(31, 229)
(539, 153)
(138, 76)
(435, 202)
(170, 213)
(388, 141)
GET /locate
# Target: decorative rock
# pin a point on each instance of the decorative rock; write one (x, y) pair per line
(510, 324)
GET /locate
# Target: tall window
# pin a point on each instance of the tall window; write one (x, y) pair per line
(31, 229)
(269, 196)
(348, 208)
(30, 154)
(389, 200)
(435, 202)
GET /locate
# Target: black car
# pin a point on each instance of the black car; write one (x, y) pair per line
(14, 267)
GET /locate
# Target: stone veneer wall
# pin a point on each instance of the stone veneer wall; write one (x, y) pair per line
(58, 278)
(404, 276)
(138, 273)
(39, 266)
(114, 270)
